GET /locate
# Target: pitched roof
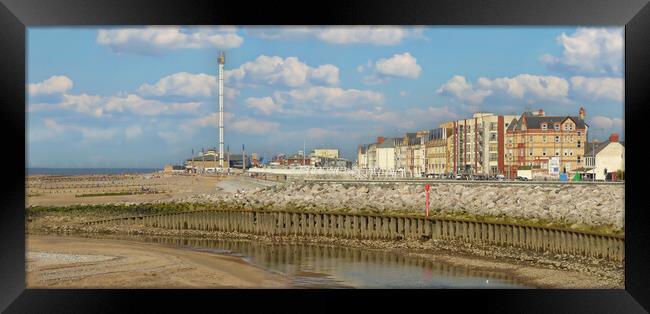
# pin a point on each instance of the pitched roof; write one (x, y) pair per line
(389, 142)
(535, 122)
(597, 147)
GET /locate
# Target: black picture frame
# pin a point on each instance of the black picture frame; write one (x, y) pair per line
(16, 15)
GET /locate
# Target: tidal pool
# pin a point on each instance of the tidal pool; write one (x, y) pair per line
(327, 266)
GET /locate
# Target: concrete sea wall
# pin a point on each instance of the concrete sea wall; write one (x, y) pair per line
(583, 204)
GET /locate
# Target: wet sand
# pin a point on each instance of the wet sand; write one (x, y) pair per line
(66, 190)
(73, 262)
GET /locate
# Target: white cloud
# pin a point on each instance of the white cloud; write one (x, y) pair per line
(290, 72)
(527, 85)
(327, 98)
(148, 107)
(373, 79)
(411, 118)
(345, 35)
(84, 103)
(589, 51)
(171, 137)
(265, 105)
(182, 83)
(87, 133)
(320, 133)
(188, 85)
(210, 120)
(56, 84)
(603, 122)
(254, 126)
(94, 134)
(400, 65)
(464, 91)
(597, 88)
(520, 87)
(133, 131)
(326, 73)
(53, 126)
(151, 40)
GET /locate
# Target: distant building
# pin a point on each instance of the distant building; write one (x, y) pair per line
(548, 145)
(404, 153)
(386, 153)
(476, 144)
(437, 159)
(326, 152)
(209, 161)
(372, 154)
(299, 160)
(605, 159)
(168, 169)
(362, 156)
(326, 162)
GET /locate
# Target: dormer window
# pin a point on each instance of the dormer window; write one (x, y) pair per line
(544, 126)
(557, 127)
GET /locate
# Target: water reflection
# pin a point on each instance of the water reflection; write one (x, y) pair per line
(324, 266)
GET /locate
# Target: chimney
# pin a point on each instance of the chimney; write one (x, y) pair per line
(581, 113)
(540, 113)
(380, 139)
(613, 138)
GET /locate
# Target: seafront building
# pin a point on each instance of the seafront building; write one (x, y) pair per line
(605, 160)
(326, 152)
(436, 157)
(477, 143)
(545, 144)
(492, 144)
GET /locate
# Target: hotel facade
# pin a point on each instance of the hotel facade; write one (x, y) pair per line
(546, 144)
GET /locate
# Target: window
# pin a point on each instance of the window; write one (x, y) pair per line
(544, 126)
(579, 143)
(579, 159)
(557, 139)
(530, 153)
(530, 138)
(557, 152)
(493, 136)
(557, 127)
(571, 152)
(543, 151)
(579, 133)
(566, 152)
(544, 138)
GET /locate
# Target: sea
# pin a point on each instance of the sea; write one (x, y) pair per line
(87, 171)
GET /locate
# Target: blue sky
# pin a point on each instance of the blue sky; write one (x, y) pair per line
(147, 96)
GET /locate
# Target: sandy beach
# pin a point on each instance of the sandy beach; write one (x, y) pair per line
(72, 262)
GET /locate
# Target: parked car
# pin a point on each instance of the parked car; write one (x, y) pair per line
(521, 178)
(500, 177)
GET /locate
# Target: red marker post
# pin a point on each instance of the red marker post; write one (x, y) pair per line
(426, 188)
